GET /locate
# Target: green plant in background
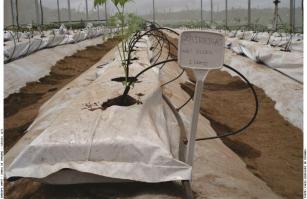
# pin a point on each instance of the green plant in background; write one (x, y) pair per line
(134, 22)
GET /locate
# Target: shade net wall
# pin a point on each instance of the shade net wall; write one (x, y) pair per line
(167, 12)
(52, 11)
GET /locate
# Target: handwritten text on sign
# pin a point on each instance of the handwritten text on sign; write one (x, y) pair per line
(201, 50)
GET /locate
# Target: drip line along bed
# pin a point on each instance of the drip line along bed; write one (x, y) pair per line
(76, 103)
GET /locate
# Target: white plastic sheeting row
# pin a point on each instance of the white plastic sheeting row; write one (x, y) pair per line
(289, 63)
(27, 45)
(138, 142)
(275, 39)
(31, 68)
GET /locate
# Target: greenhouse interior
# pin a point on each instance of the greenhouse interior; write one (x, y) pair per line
(215, 88)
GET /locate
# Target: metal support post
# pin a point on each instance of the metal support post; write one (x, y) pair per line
(106, 12)
(211, 13)
(153, 11)
(69, 14)
(201, 14)
(59, 14)
(12, 13)
(98, 14)
(249, 14)
(86, 9)
(291, 16)
(37, 12)
(294, 11)
(226, 14)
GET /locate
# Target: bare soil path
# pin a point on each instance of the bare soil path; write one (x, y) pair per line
(271, 147)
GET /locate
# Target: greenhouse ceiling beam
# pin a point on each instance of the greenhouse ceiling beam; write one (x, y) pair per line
(249, 14)
(86, 9)
(59, 14)
(69, 13)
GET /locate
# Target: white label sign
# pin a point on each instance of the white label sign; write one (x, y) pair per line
(201, 50)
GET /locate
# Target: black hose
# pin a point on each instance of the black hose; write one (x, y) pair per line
(184, 104)
(226, 134)
(173, 79)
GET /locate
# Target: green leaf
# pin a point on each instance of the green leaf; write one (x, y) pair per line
(99, 2)
(122, 3)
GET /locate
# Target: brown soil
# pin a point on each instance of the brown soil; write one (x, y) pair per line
(21, 108)
(120, 101)
(116, 101)
(271, 147)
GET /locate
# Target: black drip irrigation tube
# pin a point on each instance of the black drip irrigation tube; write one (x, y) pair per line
(159, 35)
(226, 134)
(156, 33)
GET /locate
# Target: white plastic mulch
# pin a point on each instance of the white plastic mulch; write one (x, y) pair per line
(139, 142)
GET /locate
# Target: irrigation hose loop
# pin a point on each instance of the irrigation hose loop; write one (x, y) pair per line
(184, 104)
(172, 80)
(250, 121)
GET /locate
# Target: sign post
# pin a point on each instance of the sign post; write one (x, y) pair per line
(199, 51)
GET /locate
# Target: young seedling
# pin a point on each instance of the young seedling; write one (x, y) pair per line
(133, 24)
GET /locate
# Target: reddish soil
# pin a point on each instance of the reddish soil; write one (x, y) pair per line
(271, 147)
